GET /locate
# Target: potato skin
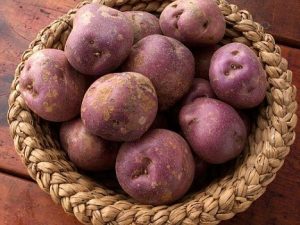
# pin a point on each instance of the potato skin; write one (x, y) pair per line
(119, 106)
(200, 88)
(144, 24)
(87, 151)
(50, 87)
(237, 77)
(156, 169)
(100, 41)
(193, 22)
(214, 130)
(167, 63)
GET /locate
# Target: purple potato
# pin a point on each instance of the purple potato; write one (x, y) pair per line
(87, 151)
(50, 87)
(156, 169)
(193, 22)
(100, 41)
(202, 60)
(167, 63)
(237, 76)
(144, 24)
(214, 130)
(200, 88)
(119, 106)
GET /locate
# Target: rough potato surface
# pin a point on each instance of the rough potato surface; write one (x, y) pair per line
(51, 87)
(120, 106)
(156, 169)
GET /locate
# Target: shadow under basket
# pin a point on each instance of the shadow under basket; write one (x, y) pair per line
(273, 133)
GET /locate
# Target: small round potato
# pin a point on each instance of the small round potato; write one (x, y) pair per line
(237, 77)
(119, 106)
(156, 169)
(202, 60)
(87, 151)
(167, 63)
(200, 88)
(50, 87)
(214, 130)
(193, 22)
(144, 24)
(100, 41)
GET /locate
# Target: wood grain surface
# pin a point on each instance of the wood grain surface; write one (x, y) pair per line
(24, 203)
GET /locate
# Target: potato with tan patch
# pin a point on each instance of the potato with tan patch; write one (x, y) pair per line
(87, 151)
(100, 41)
(167, 63)
(51, 87)
(193, 22)
(119, 106)
(156, 169)
(144, 24)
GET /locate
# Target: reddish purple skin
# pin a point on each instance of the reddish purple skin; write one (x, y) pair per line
(167, 63)
(100, 41)
(214, 130)
(193, 22)
(50, 87)
(202, 60)
(144, 24)
(156, 169)
(200, 88)
(119, 106)
(87, 151)
(237, 77)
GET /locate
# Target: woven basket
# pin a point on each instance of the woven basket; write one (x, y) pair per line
(269, 143)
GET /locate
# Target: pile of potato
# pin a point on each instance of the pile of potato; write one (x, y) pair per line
(155, 99)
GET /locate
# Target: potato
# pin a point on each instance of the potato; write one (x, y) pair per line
(87, 151)
(119, 106)
(144, 24)
(50, 87)
(237, 77)
(156, 169)
(193, 22)
(202, 60)
(100, 41)
(214, 130)
(167, 63)
(200, 88)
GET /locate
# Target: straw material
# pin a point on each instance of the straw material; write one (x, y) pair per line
(270, 141)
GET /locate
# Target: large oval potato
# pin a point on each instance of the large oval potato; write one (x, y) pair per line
(51, 87)
(100, 41)
(119, 106)
(144, 24)
(214, 130)
(85, 150)
(156, 169)
(237, 76)
(193, 22)
(167, 63)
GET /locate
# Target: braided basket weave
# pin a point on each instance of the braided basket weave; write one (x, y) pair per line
(272, 135)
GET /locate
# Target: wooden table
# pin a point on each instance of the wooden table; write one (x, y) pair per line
(23, 203)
